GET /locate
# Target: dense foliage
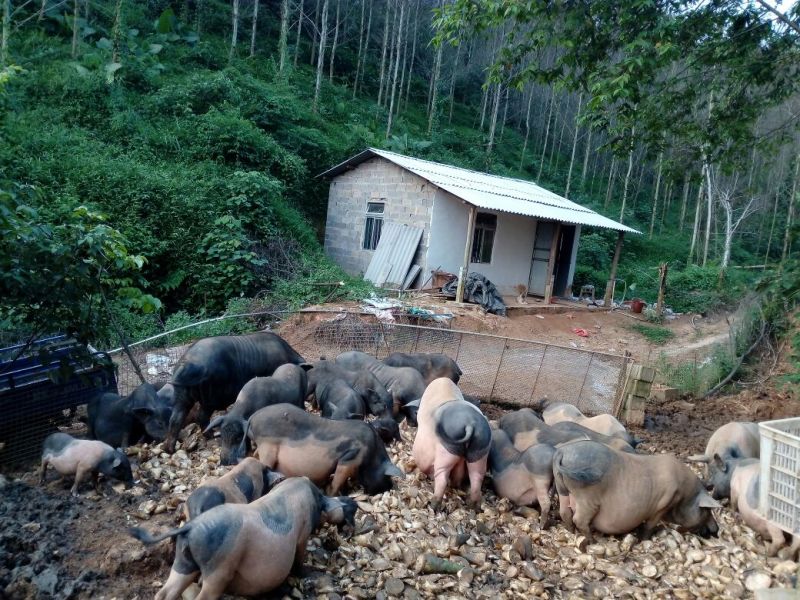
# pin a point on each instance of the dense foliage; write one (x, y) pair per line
(138, 123)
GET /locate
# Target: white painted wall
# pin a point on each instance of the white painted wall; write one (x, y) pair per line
(511, 253)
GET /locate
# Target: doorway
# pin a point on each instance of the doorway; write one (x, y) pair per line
(545, 230)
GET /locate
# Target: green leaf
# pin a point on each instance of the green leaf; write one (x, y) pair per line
(104, 44)
(156, 48)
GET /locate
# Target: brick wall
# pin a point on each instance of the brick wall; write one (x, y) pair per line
(408, 198)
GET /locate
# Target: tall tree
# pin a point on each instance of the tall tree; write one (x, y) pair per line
(383, 54)
(283, 41)
(413, 51)
(315, 35)
(253, 35)
(360, 47)
(655, 194)
(453, 75)
(546, 134)
(527, 128)
(396, 70)
(574, 144)
(335, 40)
(234, 28)
(75, 14)
(360, 74)
(787, 236)
(626, 184)
(437, 69)
(5, 33)
(300, 17)
(323, 38)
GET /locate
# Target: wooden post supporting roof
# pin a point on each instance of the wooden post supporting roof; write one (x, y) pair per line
(551, 264)
(464, 271)
(613, 275)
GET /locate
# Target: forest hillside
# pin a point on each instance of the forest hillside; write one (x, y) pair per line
(162, 156)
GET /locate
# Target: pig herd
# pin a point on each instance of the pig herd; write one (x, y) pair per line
(247, 530)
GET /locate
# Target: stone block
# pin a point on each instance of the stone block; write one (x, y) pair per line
(664, 394)
(642, 373)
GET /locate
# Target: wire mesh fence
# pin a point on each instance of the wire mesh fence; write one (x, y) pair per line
(500, 369)
(698, 370)
(504, 370)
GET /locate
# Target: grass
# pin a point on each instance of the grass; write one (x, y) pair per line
(654, 333)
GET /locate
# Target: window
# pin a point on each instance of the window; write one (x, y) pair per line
(373, 225)
(483, 239)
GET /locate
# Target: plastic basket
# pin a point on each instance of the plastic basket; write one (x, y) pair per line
(779, 500)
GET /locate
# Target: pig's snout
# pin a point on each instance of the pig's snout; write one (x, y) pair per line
(709, 528)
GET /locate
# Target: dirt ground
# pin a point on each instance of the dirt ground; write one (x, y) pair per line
(609, 331)
(55, 546)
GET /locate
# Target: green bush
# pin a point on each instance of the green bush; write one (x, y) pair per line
(654, 334)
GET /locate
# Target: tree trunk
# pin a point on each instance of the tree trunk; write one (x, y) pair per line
(726, 252)
(7, 3)
(366, 43)
(235, 29)
(413, 52)
(546, 134)
(437, 68)
(198, 17)
(709, 209)
(300, 16)
(453, 83)
(627, 176)
(335, 41)
(505, 114)
(493, 122)
(323, 39)
(553, 150)
(315, 34)
(586, 158)
(574, 146)
(772, 228)
(392, 45)
(787, 236)
(282, 40)
(405, 28)
(485, 100)
(685, 199)
(527, 129)
(116, 33)
(696, 226)
(360, 46)
(655, 194)
(396, 69)
(612, 171)
(383, 53)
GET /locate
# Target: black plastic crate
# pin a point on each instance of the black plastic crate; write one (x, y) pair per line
(41, 387)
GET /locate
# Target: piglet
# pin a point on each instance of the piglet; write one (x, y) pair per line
(453, 438)
(522, 477)
(249, 549)
(738, 439)
(70, 456)
(745, 477)
(242, 484)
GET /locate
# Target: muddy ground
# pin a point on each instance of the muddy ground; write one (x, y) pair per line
(55, 546)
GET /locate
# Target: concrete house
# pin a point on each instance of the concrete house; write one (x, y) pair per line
(510, 230)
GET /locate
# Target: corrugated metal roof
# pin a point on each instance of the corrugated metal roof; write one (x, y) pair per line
(491, 192)
(393, 256)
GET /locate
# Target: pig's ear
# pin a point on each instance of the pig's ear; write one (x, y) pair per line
(706, 501)
(117, 462)
(306, 366)
(698, 458)
(720, 464)
(414, 403)
(392, 470)
(216, 422)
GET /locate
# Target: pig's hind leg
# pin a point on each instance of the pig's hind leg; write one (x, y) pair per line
(342, 473)
(443, 464)
(476, 471)
(585, 512)
(43, 471)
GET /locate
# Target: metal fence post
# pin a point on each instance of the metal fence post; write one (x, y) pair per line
(583, 384)
(539, 370)
(416, 341)
(497, 371)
